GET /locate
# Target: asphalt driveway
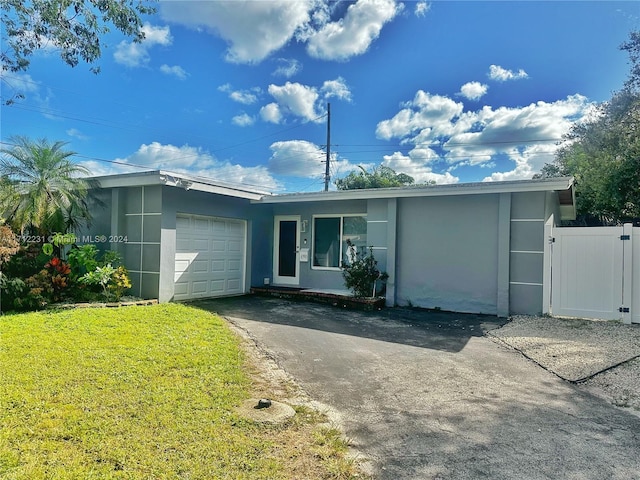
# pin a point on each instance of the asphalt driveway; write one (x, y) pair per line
(425, 395)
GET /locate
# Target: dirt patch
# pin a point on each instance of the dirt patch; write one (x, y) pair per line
(306, 431)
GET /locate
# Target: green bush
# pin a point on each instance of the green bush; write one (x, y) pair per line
(104, 273)
(32, 280)
(83, 259)
(361, 272)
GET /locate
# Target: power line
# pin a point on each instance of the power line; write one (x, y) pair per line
(143, 167)
(442, 144)
(109, 124)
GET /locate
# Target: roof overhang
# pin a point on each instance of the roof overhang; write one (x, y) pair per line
(567, 200)
(179, 180)
(560, 184)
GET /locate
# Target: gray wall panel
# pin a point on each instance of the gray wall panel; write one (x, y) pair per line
(528, 205)
(528, 236)
(447, 253)
(526, 299)
(526, 267)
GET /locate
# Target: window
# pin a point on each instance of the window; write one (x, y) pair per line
(330, 235)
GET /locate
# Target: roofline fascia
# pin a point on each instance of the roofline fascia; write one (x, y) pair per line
(561, 183)
(187, 182)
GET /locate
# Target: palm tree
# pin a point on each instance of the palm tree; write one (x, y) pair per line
(41, 189)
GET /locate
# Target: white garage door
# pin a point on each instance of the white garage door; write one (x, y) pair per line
(210, 256)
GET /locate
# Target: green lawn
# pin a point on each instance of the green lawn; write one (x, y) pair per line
(140, 393)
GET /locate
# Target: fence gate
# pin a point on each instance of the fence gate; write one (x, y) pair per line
(592, 273)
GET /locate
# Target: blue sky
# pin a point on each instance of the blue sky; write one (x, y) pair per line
(237, 91)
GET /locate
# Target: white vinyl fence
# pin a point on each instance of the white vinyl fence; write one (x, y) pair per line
(592, 272)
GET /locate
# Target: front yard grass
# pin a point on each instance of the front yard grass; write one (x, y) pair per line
(142, 393)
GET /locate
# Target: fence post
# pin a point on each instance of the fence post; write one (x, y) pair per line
(627, 269)
(546, 274)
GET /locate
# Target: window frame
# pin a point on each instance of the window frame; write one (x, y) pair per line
(341, 216)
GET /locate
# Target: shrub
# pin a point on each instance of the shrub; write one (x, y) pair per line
(32, 280)
(59, 272)
(120, 282)
(114, 281)
(361, 272)
(9, 244)
(83, 259)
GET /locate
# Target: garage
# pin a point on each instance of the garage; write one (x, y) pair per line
(210, 256)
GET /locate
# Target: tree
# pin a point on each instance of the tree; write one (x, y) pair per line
(74, 27)
(603, 154)
(379, 177)
(40, 187)
(9, 246)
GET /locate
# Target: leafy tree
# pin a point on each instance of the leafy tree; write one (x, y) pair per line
(380, 177)
(603, 154)
(74, 27)
(40, 187)
(9, 246)
(632, 47)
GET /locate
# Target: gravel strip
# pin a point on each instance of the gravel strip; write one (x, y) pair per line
(602, 356)
(621, 385)
(571, 348)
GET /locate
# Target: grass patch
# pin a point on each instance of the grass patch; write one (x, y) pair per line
(139, 393)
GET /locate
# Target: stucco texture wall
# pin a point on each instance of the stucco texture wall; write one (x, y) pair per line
(447, 253)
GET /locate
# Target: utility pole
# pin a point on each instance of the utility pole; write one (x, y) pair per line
(326, 169)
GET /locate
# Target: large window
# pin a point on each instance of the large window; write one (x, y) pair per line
(330, 235)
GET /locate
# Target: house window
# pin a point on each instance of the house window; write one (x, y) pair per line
(330, 235)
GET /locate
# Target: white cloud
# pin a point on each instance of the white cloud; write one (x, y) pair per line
(353, 34)
(300, 158)
(303, 101)
(75, 133)
(253, 29)
(421, 9)
(296, 99)
(503, 129)
(271, 113)
(196, 161)
(287, 67)
(336, 88)
(243, 120)
(439, 130)
(256, 29)
(473, 90)
(246, 97)
(297, 158)
(528, 161)
(496, 72)
(98, 168)
(176, 70)
(433, 113)
(19, 83)
(417, 168)
(133, 54)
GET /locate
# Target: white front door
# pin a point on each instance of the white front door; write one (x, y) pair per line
(286, 251)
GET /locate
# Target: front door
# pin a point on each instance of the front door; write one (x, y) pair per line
(286, 254)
